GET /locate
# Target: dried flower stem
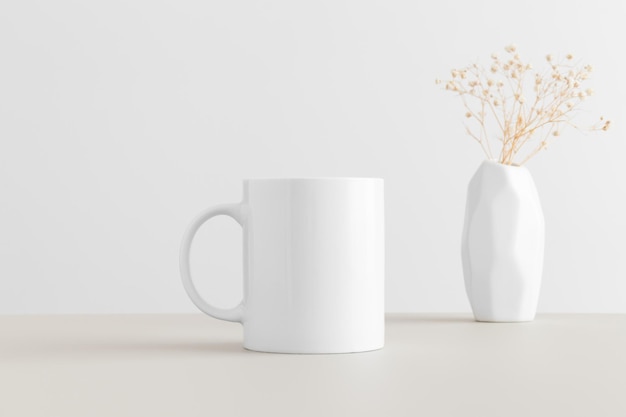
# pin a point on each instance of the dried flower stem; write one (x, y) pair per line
(497, 95)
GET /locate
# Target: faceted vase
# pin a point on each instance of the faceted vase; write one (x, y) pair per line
(503, 244)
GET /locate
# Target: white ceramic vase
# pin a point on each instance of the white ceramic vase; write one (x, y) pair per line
(503, 244)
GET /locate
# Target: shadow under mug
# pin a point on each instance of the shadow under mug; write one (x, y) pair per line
(314, 264)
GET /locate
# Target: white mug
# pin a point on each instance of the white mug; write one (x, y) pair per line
(314, 265)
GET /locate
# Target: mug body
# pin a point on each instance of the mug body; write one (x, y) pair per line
(314, 265)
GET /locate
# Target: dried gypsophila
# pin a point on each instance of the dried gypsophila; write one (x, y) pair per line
(499, 95)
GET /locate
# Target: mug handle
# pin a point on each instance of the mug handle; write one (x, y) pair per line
(236, 211)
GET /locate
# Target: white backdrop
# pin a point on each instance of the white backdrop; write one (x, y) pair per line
(119, 120)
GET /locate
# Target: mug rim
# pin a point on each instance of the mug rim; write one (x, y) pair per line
(314, 179)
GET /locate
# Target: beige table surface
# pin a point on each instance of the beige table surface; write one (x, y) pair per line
(192, 365)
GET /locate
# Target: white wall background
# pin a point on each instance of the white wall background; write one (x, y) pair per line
(119, 120)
